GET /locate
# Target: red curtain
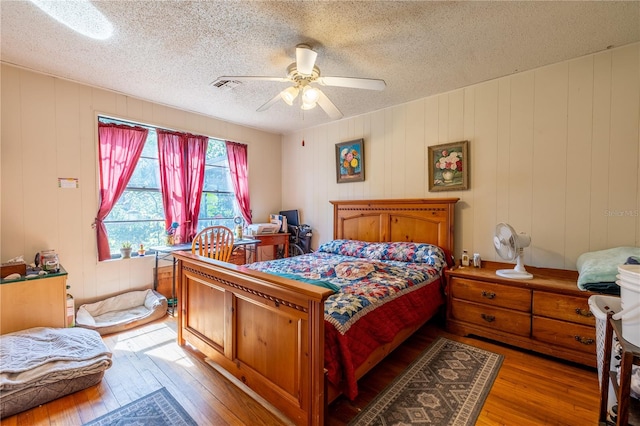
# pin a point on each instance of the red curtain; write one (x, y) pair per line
(172, 180)
(181, 157)
(195, 159)
(119, 148)
(237, 156)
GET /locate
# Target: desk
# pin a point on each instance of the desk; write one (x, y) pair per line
(164, 252)
(275, 240)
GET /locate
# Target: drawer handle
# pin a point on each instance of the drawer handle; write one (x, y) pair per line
(584, 312)
(584, 340)
(488, 318)
(488, 294)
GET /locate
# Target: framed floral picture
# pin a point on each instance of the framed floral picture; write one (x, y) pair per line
(350, 161)
(449, 166)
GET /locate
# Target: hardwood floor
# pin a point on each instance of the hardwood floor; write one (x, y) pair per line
(529, 390)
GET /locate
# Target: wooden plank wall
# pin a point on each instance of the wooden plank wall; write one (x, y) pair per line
(553, 151)
(49, 131)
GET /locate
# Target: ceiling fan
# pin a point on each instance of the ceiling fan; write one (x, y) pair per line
(302, 74)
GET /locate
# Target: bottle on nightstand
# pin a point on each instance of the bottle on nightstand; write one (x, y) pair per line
(464, 261)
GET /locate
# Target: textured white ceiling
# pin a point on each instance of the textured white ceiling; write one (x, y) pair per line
(170, 51)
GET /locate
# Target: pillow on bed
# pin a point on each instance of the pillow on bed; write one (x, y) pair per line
(397, 251)
(344, 247)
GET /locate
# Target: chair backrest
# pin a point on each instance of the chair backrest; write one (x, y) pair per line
(215, 242)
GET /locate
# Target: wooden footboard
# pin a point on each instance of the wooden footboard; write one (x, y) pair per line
(268, 331)
(265, 330)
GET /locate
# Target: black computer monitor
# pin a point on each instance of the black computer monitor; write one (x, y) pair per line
(293, 217)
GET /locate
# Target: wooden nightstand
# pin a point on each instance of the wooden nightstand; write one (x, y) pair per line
(33, 302)
(547, 314)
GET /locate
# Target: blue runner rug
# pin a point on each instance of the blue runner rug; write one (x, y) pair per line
(156, 409)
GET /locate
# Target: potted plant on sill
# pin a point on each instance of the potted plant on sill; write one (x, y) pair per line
(141, 250)
(171, 234)
(125, 250)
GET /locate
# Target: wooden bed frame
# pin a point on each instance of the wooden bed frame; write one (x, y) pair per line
(268, 331)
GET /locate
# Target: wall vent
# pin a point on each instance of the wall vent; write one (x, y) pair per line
(225, 84)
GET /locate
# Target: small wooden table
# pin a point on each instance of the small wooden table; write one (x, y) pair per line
(628, 409)
(275, 240)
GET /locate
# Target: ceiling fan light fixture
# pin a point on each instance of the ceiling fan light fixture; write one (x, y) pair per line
(308, 105)
(289, 95)
(310, 95)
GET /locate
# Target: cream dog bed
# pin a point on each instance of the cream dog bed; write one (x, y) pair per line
(122, 312)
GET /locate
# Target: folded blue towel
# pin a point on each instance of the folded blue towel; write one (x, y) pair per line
(632, 260)
(612, 289)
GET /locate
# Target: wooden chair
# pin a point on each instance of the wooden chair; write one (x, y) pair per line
(215, 242)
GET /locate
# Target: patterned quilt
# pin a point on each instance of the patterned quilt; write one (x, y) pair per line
(380, 288)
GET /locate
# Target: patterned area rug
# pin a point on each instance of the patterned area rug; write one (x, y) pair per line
(156, 409)
(446, 385)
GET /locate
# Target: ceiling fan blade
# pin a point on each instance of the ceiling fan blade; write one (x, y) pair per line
(258, 77)
(355, 83)
(268, 105)
(328, 106)
(305, 59)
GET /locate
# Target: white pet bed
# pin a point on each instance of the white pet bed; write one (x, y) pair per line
(122, 312)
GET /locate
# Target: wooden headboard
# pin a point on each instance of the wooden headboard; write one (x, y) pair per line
(417, 220)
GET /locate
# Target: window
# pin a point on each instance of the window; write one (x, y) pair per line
(218, 205)
(138, 216)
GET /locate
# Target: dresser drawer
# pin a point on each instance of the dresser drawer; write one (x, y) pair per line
(563, 307)
(491, 294)
(513, 322)
(568, 335)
